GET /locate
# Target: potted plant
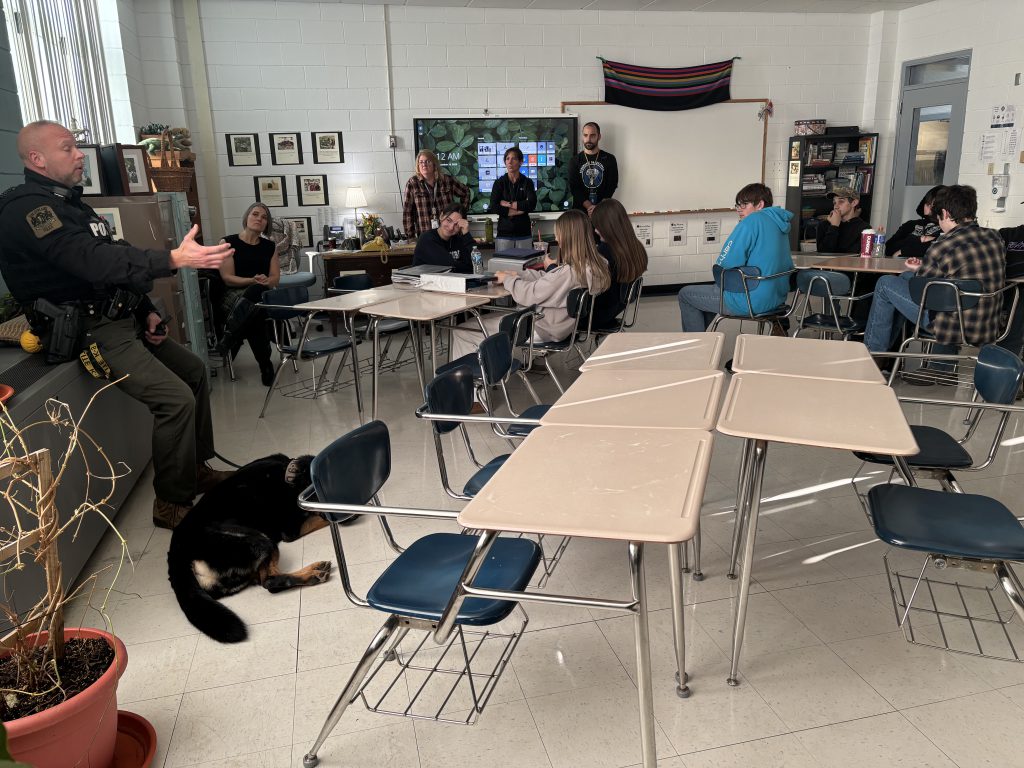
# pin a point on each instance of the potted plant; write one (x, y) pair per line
(58, 685)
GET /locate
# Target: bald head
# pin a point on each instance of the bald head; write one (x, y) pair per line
(49, 149)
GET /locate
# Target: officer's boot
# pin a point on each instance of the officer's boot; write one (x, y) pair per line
(233, 326)
(167, 514)
(207, 477)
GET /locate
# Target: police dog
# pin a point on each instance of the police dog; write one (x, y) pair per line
(229, 539)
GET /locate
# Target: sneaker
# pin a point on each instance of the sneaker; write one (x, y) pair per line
(167, 514)
(207, 477)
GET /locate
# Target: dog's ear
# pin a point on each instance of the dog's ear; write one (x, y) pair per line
(297, 472)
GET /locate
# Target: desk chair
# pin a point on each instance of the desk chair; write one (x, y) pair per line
(579, 305)
(997, 379)
(832, 288)
(956, 531)
(746, 280)
(450, 397)
(388, 327)
(494, 361)
(932, 294)
(630, 294)
(416, 594)
(279, 305)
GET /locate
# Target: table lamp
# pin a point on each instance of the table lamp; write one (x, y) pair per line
(355, 199)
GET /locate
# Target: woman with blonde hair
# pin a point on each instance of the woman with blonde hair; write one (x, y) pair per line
(427, 193)
(578, 265)
(626, 255)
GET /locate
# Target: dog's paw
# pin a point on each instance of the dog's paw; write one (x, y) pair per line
(322, 571)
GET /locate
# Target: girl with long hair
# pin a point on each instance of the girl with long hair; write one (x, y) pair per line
(626, 256)
(578, 264)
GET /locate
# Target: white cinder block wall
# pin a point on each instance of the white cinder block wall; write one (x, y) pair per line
(307, 66)
(992, 30)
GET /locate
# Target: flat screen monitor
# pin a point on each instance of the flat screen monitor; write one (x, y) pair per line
(472, 149)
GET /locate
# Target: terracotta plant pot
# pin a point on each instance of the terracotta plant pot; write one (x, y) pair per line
(80, 731)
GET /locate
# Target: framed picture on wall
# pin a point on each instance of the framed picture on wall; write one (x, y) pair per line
(303, 229)
(136, 169)
(243, 148)
(125, 169)
(286, 148)
(271, 191)
(312, 189)
(92, 176)
(328, 148)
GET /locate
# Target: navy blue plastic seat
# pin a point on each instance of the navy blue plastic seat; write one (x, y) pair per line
(482, 475)
(938, 449)
(951, 524)
(829, 287)
(420, 582)
(997, 379)
(533, 412)
(746, 281)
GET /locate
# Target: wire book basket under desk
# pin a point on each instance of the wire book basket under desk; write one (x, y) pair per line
(953, 613)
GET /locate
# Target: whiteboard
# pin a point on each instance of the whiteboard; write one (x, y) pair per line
(690, 160)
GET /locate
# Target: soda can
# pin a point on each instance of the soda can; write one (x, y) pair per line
(867, 243)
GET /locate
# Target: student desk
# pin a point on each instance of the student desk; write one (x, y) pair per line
(648, 399)
(808, 358)
(418, 307)
(883, 266)
(638, 486)
(827, 413)
(657, 352)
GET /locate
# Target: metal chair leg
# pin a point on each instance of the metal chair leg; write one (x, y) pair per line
(529, 387)
(348, 694)
(547, 364)
(270, 389)
(1011, 586)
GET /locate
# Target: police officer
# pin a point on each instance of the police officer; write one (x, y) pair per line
(55, 247)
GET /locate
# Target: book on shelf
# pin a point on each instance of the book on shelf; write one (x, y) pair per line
(841, 153)
(853, 158)
(867, 145)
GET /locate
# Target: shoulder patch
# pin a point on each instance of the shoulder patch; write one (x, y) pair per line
(43, 221)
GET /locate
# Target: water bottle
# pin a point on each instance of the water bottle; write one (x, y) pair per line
(879, 244)
(478, 261)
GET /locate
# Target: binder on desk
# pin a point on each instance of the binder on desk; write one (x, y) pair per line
(413, 275)
(454, 282)
(520, 254)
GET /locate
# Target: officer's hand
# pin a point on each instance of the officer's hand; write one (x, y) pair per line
(152, 321)
(192, 254)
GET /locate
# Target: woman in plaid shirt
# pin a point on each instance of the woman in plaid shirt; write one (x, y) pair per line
(428, 193)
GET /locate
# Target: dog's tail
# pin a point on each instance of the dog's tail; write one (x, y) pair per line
(206, 614)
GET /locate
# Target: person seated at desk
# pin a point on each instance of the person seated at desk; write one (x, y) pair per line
(427, 193)
(760, 239)
(964, 251)
(839, 232)
(512, 198)
(247, 275)
(579, 264)
(1013, 238)
(912, 239)
(450, 245)
(625, 254)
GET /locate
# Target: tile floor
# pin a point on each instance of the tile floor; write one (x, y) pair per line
(827, 678)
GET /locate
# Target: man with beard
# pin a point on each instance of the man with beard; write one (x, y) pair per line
(593, 173)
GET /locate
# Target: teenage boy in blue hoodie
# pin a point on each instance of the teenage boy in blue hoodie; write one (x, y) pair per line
(761, 239)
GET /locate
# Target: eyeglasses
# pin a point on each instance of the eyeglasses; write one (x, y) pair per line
(741, 206)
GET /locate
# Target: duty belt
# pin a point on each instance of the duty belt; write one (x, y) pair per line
(120, 306)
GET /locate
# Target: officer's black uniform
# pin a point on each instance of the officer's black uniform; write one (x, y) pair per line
(58, 248)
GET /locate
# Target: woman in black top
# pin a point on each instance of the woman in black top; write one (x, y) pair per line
(513, 197)
(252, 270)
(913, 237)
(626, 255)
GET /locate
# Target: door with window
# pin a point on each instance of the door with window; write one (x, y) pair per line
(930, 131)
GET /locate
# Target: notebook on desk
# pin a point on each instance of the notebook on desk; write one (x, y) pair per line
(414, 275)
(519, 254)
